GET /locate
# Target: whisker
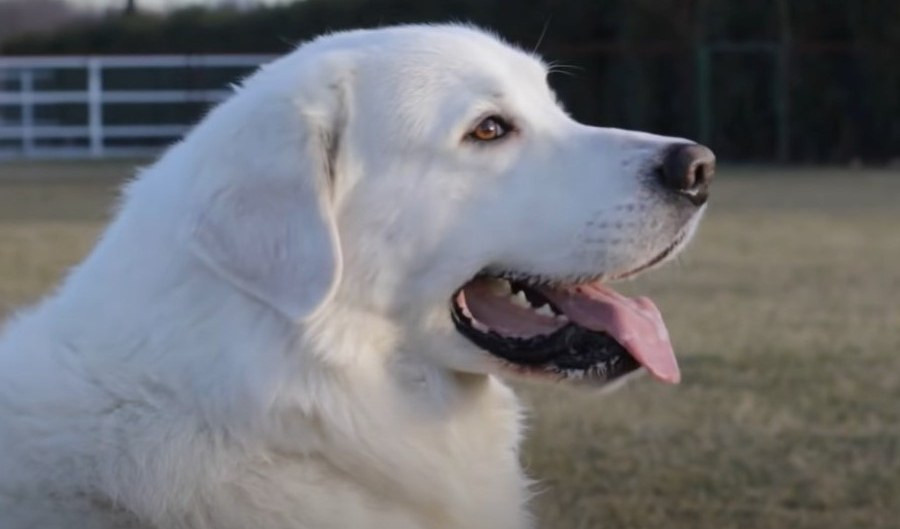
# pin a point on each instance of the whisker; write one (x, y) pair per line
(542, 35)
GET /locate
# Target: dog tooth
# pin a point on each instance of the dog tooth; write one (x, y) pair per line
(520, 300)
(545, 310)
(499, 287)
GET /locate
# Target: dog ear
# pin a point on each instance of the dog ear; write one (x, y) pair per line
(268, 226)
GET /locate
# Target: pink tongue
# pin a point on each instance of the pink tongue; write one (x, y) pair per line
(634, 323)
(503, 316)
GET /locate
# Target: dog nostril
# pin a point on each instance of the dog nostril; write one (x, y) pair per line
(688, 170)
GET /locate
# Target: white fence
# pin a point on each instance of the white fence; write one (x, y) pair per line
(63, 107)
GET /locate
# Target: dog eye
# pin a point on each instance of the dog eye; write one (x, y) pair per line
(489, 129)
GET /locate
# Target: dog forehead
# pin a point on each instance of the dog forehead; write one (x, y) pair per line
(417, 58)
(427, 79)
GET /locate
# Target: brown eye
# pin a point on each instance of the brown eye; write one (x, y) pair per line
(489, 129)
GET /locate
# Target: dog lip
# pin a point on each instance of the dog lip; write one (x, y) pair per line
(569, 352)
(652, 262)
(537, 280)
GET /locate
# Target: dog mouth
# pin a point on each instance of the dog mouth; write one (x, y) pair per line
(580, 331)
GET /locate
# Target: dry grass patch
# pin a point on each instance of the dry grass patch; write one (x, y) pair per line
(785, 316)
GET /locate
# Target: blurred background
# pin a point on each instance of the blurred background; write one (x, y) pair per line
(806, 81)
(784, 311)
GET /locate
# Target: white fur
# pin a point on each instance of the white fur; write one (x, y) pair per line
(261, 339)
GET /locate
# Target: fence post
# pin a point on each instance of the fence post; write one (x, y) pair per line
(95, 106)
(26, 86)
(701, 70)
(704, 105)
(783, 80)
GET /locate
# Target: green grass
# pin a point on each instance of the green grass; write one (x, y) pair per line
(785, 316)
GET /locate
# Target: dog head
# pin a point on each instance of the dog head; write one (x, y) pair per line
(426, 176)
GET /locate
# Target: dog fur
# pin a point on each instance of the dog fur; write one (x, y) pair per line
(261, 338)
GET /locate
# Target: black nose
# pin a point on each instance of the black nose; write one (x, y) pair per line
(688, 170)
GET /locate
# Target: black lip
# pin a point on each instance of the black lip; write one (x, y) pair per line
(572, 348)
(656, 260)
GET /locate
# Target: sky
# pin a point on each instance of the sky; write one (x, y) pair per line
(164, 4)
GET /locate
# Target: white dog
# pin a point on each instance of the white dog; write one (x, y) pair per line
(297, 318)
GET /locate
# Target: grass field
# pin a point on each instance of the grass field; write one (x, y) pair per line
(786, 318)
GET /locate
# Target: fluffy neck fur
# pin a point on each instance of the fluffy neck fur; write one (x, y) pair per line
(144, 423)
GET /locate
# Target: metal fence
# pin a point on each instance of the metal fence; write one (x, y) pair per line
(96, 107)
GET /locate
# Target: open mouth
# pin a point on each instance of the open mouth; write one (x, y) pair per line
(584, 331)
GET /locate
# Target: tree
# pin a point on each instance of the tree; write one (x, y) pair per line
(27, 16)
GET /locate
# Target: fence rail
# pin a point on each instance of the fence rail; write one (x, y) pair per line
(36, 111)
